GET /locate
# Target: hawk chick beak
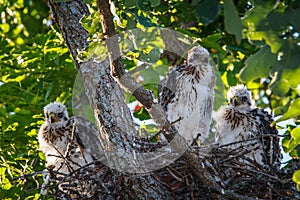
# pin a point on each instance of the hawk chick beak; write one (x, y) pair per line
(236, 101)
(197, 142)
(53, 118)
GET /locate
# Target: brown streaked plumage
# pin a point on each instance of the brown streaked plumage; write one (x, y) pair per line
(60, 141)
(187, 93)
(242, 125)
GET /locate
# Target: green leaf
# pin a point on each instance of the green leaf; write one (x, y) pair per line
(130, 3)
(129, 63)
(293, 15)
(219, 91)
(258, 26)
(295, 134)
(258, 65)
(154, 3)
(279, 86)
(161, 68)
(150, 57)
(91, 23)
(212, 41)
(270, 36)
(259, 12)
(290, 58)
(291, 76)
(141, 114)
(42, 156)
(275, 21)
(5, 27)
(145, 21)
(6, 185)
(146, 5)
(207, 11)
(295, 152)
(232, 20)
(291, 142)
(296, 177)
(280, 110)
(150, 129)
(149, 75)
(292, 112)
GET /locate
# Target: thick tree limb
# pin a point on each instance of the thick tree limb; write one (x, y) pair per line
(75, 36)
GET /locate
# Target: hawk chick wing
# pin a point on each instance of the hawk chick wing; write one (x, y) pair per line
(187, 95)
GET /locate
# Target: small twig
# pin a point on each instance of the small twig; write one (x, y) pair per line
(255, 171)
(239, 154)
(176, 177)
(62, 157)
(164, 129)
(29, 175)
(238, 142)
(71, 142)
(216, 173)
(139, 68)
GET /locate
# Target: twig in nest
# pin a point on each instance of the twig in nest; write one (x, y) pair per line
(215, 173)
(255, 171)
(28, 175)
(239, 154)
(176, 177)
(164, 129)
(71, 142)
(238, 142)
(70, 168)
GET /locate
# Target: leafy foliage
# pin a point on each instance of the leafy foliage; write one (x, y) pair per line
(36, 68)
(252, 42)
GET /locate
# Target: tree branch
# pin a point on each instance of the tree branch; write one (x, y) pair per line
(117, 70)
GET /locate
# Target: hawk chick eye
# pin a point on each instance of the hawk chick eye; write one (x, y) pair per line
(60, 115)
(244, 99)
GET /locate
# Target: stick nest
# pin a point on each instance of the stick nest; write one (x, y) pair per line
(236, 178)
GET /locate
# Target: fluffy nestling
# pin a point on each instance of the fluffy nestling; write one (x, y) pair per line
(55, 135)
(60, 142)
(239, 124)
(187, 95)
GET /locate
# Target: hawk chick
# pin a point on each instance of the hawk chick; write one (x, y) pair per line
(60, 142)
(240, 125)
(187, 95)
(55, 135)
